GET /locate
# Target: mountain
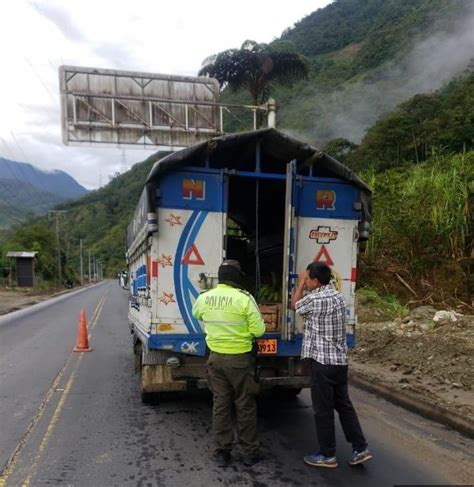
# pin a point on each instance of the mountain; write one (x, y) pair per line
(20, 200)
(366, 57)
(56, 182)
(26, 190)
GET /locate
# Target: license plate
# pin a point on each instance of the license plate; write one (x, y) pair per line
(268, 346)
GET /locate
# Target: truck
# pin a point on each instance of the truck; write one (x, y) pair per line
(264, 198)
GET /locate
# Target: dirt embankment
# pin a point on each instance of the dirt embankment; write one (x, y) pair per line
(428, 354)
(15, 299)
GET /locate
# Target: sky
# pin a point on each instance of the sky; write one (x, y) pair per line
(173, 37)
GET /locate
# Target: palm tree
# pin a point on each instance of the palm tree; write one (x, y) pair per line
(256, 67)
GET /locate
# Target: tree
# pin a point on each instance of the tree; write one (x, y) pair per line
(255, 67)
(37, 238)
(340, 148)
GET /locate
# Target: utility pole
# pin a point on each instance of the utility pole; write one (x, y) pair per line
(56, 214)
(82, 267)
(89, 266)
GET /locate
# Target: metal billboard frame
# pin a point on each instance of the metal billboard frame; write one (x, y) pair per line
(105, 107)
(112, 108)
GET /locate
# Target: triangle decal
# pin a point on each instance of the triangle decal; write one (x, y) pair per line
(192, 256)
(323, 256)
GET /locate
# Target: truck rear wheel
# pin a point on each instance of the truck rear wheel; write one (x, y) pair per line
(149, 397)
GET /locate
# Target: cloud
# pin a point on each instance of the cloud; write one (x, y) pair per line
(121, 54)
(61, 19)
(40, 116)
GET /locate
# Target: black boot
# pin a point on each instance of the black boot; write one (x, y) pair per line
(222, 458)
(250, 459)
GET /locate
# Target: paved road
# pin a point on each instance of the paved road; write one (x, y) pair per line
(77, 420)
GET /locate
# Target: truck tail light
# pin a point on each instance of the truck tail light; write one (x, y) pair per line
(354, 274)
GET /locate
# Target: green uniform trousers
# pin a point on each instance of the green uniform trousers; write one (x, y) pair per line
(231, 380)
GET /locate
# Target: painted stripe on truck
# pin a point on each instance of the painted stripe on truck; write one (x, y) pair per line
(183, 286)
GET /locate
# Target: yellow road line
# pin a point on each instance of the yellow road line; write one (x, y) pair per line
(59, 407)
(11, 463)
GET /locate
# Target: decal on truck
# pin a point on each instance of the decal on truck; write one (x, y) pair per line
(189, 347)
(165, 260)
(325, 199)
(167, 298)
(323, 256)
(173, 220)
(194, 189)
(192, 256)
(323, 235)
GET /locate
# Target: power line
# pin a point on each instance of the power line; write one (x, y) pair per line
(41, 80)
(19, 146)
(12, 155)
(9, 213)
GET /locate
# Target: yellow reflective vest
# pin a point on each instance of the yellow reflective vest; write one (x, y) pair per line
(231, 319)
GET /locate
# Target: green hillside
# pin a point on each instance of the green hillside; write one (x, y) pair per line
(99, 219)
(389, 95)
(20, 200)
(379, 30)
(366, 57)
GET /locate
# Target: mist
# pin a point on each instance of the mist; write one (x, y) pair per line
(431, 63)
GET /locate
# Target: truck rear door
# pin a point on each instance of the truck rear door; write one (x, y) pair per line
(191, 224)
(327, 232)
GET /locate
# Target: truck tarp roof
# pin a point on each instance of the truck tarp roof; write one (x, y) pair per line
(237, 151)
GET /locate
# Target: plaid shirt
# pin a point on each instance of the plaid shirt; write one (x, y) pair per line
(324, 339)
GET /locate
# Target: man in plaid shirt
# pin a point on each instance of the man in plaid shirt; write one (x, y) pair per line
(324, 343)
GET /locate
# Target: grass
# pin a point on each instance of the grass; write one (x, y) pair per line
(385, 306)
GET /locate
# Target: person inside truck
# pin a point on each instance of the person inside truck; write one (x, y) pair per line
(324, 343)
(231, 321)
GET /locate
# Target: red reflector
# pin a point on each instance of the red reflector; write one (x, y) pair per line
(154, 269)
(354, 274)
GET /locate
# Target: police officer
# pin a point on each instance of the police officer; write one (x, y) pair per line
(232, 320)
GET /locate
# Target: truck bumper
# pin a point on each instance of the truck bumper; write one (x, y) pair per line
(265, 382)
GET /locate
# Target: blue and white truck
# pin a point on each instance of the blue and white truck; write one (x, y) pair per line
(264, 198)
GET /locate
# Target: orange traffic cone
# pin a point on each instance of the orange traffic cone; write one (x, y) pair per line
(82, 338)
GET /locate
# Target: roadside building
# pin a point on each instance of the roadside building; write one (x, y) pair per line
(22, 267)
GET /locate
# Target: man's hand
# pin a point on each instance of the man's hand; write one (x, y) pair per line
(300, 287)
(302, 277)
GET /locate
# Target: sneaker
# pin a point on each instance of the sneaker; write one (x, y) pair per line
(222, 458)
(250, 459)
(318, 460)
(359, 457)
